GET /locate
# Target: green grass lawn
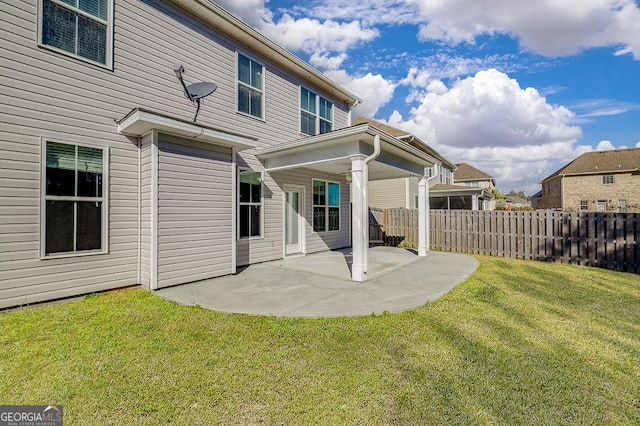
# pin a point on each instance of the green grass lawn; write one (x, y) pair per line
(518, 343)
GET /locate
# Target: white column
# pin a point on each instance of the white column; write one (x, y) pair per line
(474, 202)
(423, 216)
(359, 213)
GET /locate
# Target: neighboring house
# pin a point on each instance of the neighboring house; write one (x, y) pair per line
(107, 181)
(461, 197)
(595, 181)
(468, 175)
(535, 199)
(403, 192)
(513, 202)
(478, 194)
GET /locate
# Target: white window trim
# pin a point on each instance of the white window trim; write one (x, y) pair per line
(110, 33)
(43, 204)
(302, 213)
(326, 206)
(606, 177)
(263, 91)
(239, 203)
(317, 114)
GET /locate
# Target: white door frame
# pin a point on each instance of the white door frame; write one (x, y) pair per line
(302, 229)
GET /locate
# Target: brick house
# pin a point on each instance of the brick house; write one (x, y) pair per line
(595, 181)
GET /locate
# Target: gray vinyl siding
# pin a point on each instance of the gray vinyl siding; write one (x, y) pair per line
(194, 212)
(388, 193)
(319, 241)
(45, 94)
(271, 246)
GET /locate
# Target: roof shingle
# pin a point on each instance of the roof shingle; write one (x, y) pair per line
(602, 162)
(465, 171)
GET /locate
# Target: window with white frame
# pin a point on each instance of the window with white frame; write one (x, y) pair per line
(250, 87)
(607, 179)
(82, 28)
(326, 206)
(316, 113)
(74, 218)
(249, 204)
(622, 206)
(584, 205)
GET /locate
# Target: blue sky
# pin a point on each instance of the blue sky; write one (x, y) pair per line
(517, 88)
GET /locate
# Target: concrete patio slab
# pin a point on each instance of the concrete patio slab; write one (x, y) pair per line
(319, 285)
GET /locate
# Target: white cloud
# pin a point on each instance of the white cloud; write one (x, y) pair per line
(489, 121)
(305, 34)
(374, 90)
(605, 146)
(312, 36)
(548, 27)
(326, 61)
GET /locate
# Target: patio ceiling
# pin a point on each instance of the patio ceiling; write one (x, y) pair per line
(332, 152)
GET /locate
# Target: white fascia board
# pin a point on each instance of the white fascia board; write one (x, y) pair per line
(140, 122)
(360, 133)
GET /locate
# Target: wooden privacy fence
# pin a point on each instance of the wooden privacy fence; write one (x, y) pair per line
(605, 240)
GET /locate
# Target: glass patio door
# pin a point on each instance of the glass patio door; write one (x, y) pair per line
(293, 222)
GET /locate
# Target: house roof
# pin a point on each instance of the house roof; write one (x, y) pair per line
(601, 162)
(333, 151)
(514, 199)
(444, 190)
(405, 136)
(140, 121)
(466, 172)
(242, 33)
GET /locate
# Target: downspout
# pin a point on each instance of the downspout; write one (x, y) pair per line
(365, 190)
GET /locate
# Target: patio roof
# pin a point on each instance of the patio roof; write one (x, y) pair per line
(140, 121)
(443, 190)
(332, 152)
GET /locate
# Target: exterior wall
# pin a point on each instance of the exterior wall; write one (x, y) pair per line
(194, 211)
(487, 184)
(551, 197)
(388, 193)
(590, 188)
(45, 94)
(271, 245)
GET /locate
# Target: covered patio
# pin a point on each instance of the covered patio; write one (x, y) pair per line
(320, 285)
(359, 153)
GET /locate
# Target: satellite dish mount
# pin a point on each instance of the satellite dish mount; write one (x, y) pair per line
(195, 92)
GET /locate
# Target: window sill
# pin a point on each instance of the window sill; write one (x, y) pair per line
(244, 114)
(67, 255)
(250, 238)
(108, 66)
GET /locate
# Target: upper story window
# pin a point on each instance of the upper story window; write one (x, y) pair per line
(316, 113)
(584, 205)
(607, 179)
(82, 28)
(74, 213)
(445, 175)
(250, 87)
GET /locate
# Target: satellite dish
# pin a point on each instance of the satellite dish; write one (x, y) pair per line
(195, 92)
